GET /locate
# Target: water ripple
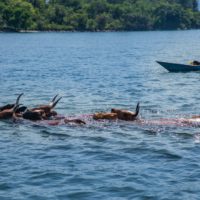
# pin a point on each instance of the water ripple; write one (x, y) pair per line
(95, 72)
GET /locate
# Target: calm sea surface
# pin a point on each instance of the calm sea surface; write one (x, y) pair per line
(102, 160)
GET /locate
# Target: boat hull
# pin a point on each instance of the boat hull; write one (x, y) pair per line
(173, 67)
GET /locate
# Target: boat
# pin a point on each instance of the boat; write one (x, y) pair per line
(175, 67)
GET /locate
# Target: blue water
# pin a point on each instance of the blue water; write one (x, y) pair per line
(102, 160)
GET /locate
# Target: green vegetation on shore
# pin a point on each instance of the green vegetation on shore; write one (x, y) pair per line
(98, 15)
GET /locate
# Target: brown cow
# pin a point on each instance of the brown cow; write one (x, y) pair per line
(8, 113)
(126, 114)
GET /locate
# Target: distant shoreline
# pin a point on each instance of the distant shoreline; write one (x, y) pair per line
(29, 16)
(73, 31)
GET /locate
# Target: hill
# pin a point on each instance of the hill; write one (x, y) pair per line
(98, 15)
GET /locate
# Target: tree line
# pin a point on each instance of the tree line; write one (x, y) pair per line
(98, 15)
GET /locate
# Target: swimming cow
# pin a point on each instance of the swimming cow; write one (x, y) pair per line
(48, 109)
(46, 115)
(10, 106)
(7, 111)
(121, 114)
(126, 114)
(42, 112)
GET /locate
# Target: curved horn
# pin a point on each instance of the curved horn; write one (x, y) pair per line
(55, 103)
(137, 110)
(18, 98)
(54, 98)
